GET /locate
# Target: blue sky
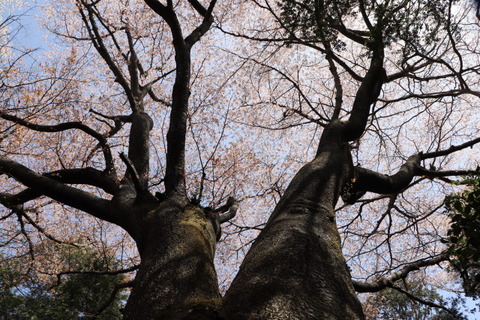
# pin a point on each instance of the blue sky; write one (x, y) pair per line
(33, 36)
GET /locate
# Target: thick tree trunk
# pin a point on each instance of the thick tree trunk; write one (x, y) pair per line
(176, 278)
(295, 269)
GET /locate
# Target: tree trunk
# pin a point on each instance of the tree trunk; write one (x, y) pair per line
(295, 269)
(176, 278)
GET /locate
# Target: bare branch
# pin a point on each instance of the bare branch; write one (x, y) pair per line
(450, 150)
(422, 301)
(97, 41)
(231, 206)
(380, 284)
(42, 230)
(118, 287)
(367, 180)
(58, 191)
(133, 172)
(90, 272)
(63, 127)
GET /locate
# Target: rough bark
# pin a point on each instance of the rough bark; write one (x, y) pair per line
(176, 240)
(176, 278)
(295, 269)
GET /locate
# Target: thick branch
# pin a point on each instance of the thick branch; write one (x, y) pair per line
(138, 182)
(366, 95)
(199, 7)
(355, 35)
(338, 88)
(87, 176)
(139, 146)
(175, 168)
(8, 199)
(204, 26)
(230, 208)
(402, 273)
(58, 191)
(450, 150)
(133, 172)
(168, 14)
(63, 127)
(367, 180)
(157, 7)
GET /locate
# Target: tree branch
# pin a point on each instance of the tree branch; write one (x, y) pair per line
(423, 301)
(380, 284)
(139, 146)
(87, 176)
(204, 26)
(366, 95)
(97, 41)
(90, 272)
(450, 150)
(231, 206)
(217, 218)
(140, 187)
(157, 7)
(58, 191)
(199, 7)
(63, 127)
(118, 287)
(40, 229)
(367, 180)
(176, 135)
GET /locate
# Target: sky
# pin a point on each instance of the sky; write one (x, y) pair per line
(33, 36)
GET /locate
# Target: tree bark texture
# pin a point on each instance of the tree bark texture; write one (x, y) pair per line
(295, 269)
(176, 278)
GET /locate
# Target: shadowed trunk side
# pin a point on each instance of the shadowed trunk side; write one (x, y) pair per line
(295, 269)
(176, 278)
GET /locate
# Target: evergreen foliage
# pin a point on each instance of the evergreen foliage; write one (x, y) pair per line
(392, 304)
(78, 296)
(414, 24)
(463, 237)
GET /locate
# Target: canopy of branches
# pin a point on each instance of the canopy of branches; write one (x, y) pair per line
(133, 109)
